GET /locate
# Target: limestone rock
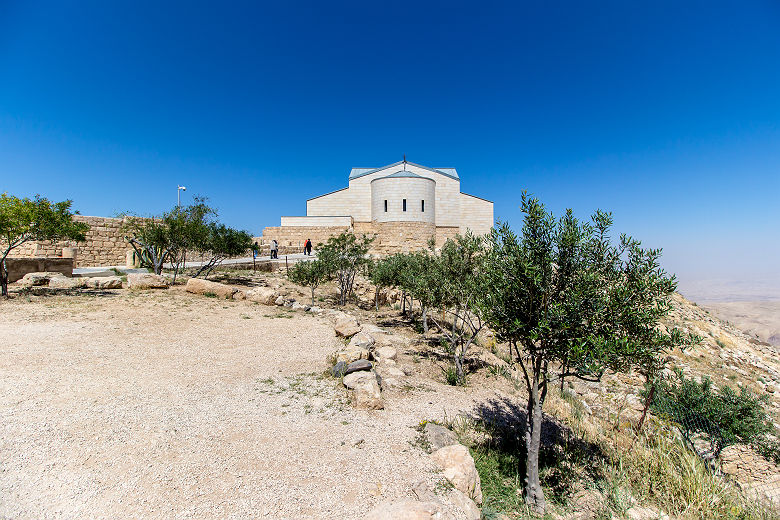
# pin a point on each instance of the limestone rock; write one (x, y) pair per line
(279, 300)
(391, 371)
(104, 282)
(408, 510)
(383, 354)
(351, 353)
(465, 504)
(359, 365)
(355, 378)
(458, 467)
(198, 286)
(63, 282)
(146, 281)
(439, 436)
(362, 340)
(368, 395)
(300, 307)
(346, 326)
(264, 295)
(41, 278)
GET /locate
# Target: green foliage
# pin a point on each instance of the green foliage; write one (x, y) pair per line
(723, 417)
(23, 220)
(309, 274)
(344, 256)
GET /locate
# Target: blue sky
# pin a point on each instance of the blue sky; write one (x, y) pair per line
(665, 113)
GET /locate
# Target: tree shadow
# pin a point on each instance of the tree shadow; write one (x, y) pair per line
(565, 459)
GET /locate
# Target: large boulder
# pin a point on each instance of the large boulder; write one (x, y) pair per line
(198, 286)
(104, 282)
(63, 282)
(384, 354)
(362, 340)
(346, 326)
(264, 295)
(409, 510)
(359, 365)
(146, 281)
(37, 279)
(459, 468)
(465, 504)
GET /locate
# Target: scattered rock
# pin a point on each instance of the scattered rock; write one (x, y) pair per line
(300, 307)
(393, 372)
(351, 353)
(339, 369)
(383, 354)
(408, 510)
(458, 467)
(314, 308)
(198, 286)
(439, 436)
(38, 279)
(642, 513)
(146, 281)
(355, 378)
(465, 504)
(62, 282)
(362, 340)
(264, 295)
(346, 326)
(104, 282)
(356, 366)
(367, 394)
(279, 300)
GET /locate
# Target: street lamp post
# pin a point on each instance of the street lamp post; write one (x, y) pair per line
(178, 194)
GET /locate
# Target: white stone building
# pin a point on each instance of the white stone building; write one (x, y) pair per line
(403, 204)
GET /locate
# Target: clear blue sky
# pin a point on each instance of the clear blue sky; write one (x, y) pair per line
(665, 113)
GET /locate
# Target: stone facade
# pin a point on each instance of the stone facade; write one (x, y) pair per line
(105, 245)
(403, 205)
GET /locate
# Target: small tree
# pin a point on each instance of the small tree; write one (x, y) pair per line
(345, 256)
(25, 220)
(221, 243)
(151, 239)
(310, 274)
(571, 304)
(383, 273)
(722, 417)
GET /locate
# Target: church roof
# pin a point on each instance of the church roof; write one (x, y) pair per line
(402, 173)
(359, 172)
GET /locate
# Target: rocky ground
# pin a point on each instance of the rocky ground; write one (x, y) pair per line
(221, 402)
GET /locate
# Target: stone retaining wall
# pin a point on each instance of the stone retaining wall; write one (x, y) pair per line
(104, 245)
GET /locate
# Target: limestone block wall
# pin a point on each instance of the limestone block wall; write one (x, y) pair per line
(394, 191)
(339, 202)
(401, 237)
(294, 237)
(443, 233)
(104, 245)
(476, 214)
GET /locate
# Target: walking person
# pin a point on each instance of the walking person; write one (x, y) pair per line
(274, 249)
(307, 247)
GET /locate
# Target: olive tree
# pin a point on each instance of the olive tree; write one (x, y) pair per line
(570, 303)
(310, 274)
(344, 256)
(222, 242)
(25, 220)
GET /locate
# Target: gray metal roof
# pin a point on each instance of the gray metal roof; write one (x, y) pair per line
(359, 172)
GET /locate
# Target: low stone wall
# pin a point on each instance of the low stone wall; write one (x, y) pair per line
(104, 245)
(291, 239)
(18, 267)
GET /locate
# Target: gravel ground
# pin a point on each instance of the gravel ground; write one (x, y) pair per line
(167, 405)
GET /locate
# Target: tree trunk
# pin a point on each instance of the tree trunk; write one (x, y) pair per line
(644, 410)
(312, 296)
(425, 320)
(376, 299)
(3, 278)
(534, 496)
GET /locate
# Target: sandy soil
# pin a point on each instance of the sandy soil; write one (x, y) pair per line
(167, 405)
(758, 318)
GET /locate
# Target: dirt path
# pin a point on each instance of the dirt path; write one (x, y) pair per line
(163, 405)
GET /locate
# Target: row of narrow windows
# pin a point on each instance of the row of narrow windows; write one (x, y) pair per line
(422, 205)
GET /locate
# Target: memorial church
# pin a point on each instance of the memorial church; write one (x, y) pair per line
(403, 205)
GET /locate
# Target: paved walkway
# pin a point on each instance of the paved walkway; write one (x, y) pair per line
(110, 270)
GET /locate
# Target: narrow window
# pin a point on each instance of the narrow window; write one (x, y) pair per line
(385, 206)
(404, 204)
(423, 206)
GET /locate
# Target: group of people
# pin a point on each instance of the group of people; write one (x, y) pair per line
(275, 248)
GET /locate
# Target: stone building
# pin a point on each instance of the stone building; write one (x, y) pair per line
(403, 204)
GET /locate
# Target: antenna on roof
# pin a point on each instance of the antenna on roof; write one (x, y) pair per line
(404, 162)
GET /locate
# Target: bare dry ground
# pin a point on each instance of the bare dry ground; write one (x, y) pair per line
(758, 318)
(165, 405)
